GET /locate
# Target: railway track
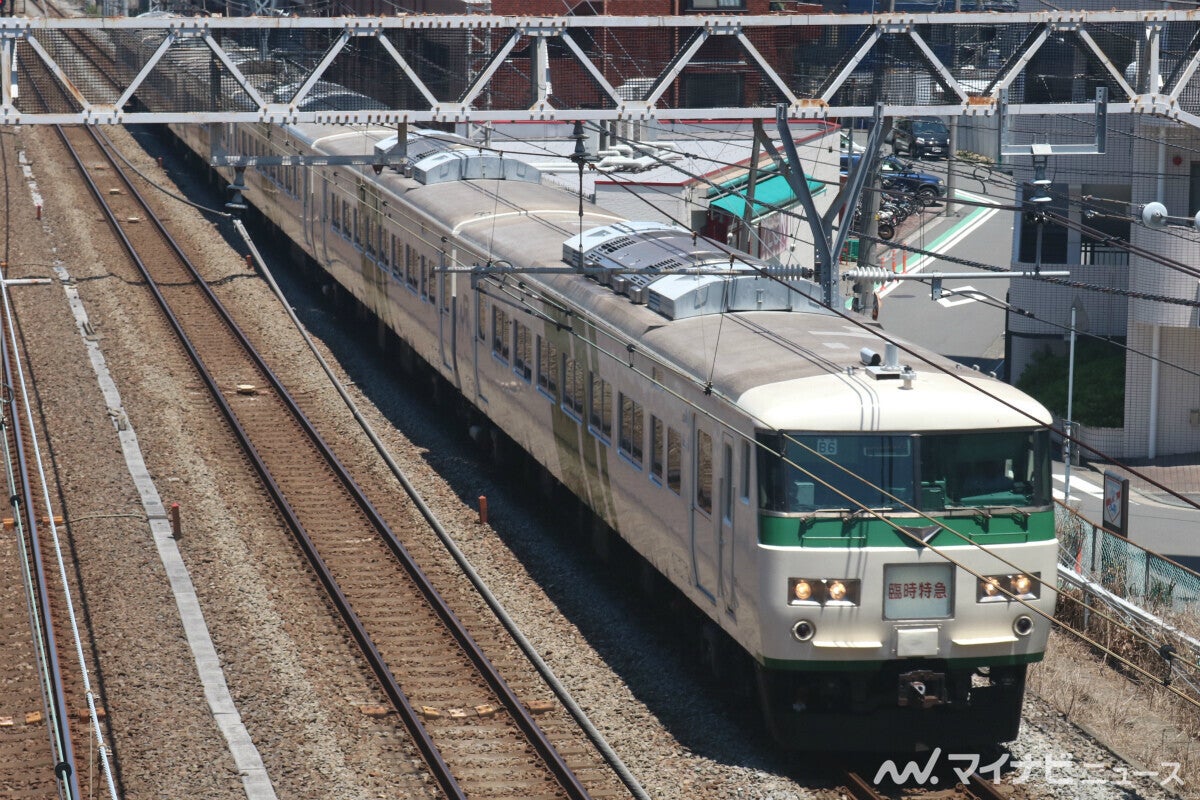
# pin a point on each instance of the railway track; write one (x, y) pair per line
(36, 758)
(974, 788)
(476, 734)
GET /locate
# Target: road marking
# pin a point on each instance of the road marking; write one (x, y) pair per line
(961, 297)
(1079, 485)
(948, 240)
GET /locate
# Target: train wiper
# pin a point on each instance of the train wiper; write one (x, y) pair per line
(865, 511)
(984, 513)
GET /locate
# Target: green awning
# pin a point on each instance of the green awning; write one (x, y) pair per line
(769, 195)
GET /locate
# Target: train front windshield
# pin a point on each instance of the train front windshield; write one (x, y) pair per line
(804, 472)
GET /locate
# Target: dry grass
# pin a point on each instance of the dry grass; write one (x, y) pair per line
(1142, 722)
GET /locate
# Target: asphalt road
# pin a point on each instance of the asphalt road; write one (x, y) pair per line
(965, 323)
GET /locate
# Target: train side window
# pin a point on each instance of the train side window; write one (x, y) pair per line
(500, 334)
(424, 263)
(572, 387)
(547, 378)
(656, 449)
(395, 258)
(600, 410)
(357, 237)
(727, 479)
(335, 215)
(629, 430)
(522, 357)
(480, 316)
(410, 272)
(346, 219)
(704, 471)
(744, 484)
(674, 460)
(385, 248)
(369, 235)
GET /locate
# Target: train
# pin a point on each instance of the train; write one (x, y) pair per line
(864, 532)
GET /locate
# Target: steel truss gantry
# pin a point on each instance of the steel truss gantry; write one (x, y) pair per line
(599, 68)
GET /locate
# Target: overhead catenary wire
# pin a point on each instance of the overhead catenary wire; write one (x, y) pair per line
(868, 510)
(525, 289)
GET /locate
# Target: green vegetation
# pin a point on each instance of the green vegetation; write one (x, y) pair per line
(1099, 382)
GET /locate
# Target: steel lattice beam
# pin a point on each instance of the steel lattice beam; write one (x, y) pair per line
(875, 54)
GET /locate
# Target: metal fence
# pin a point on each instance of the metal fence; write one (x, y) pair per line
(1133, 573)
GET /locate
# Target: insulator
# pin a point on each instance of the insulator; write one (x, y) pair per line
(868, 273)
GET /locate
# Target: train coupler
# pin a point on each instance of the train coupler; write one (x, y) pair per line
(922, 688)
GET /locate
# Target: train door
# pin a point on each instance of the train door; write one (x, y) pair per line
(727, 490)
(310, 211)
(705, 520)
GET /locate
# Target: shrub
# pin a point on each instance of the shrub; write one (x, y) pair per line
(1099, 397)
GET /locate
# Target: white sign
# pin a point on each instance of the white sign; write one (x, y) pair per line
(918, 591)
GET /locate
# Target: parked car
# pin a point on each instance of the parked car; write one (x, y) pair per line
(920, 137)
(899, 174)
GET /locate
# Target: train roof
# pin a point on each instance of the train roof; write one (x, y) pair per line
(758, 339)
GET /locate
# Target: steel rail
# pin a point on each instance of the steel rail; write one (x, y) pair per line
(375, 660)
(519, 713)
(64, 769)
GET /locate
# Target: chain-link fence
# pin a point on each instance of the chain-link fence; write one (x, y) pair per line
(1131, 572)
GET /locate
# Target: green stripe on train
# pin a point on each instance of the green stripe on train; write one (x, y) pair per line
(1000, 528)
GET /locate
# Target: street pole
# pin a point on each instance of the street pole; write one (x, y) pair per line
(952, 209)
(1068, 424)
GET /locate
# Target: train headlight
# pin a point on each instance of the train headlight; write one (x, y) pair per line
(1020, 585)
(802, 590)
(824, 591)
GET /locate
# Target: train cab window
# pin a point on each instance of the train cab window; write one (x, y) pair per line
(629, 430)
(674, 460)
(600, 408)
(1001, 468)
(501, 330)
(522, 353)
(547, 371)
(803, 472)
(573, 386)
(704, 472)
(656, 449)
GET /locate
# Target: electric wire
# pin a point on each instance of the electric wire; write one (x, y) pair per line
(616, 357)
(613, 355)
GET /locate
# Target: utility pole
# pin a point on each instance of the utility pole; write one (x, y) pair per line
(828, 245)
(951, 178)
(869, 218)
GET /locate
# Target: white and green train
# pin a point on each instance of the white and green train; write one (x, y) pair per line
(869, 531)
